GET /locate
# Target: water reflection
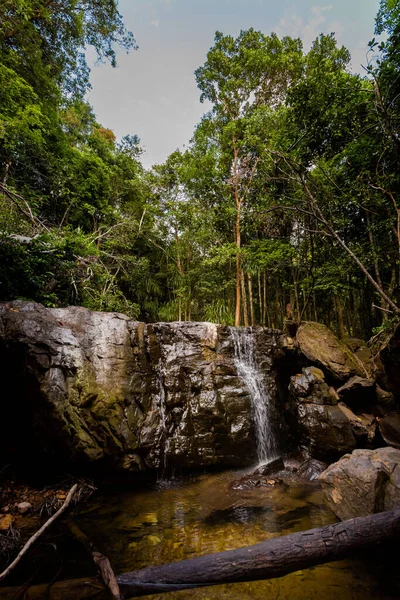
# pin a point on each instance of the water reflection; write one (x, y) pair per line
(204, 515)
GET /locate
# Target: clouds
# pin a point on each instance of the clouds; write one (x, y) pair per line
(308, 29)
(153, 91)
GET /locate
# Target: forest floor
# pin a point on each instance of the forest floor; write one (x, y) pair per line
(24, 507)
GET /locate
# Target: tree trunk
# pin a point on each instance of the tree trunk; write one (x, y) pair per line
(274, 558)
(245, 311)
(265, 322)
(260, 301)
(237, 233)
(339, 312)
(376, 263)
(330, 229)
(251, 301)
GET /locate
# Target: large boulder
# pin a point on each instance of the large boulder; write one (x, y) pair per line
(89, 387)
(371, 363)
(364, 482)
(389, 428)
(320, 346)
(325, 431)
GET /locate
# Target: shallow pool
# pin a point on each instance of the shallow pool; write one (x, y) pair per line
(183, 518)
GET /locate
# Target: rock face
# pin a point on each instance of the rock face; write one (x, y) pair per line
(362, 425)
(325, 431)
(364, 482)
(389, 428)
(321, 346)
(97, 387)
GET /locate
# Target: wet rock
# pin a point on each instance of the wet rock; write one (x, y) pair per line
(274, 466)
(389, 427)
(324, 430)
(363, 426)
(364, 482)
(385, 400)
(250, 482)
(310, 387)
(91, 387)
(311, 469)
(370, 363)
(320, 345)
(327, 432)
(358, 393)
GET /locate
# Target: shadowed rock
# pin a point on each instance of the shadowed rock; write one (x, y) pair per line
(325, 431)
(389, 428)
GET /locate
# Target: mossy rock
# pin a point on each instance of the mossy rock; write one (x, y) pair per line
(320, 345)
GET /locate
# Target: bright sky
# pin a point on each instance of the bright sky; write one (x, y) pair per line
(153, 92)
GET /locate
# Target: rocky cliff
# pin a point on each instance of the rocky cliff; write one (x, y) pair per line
(84, 387)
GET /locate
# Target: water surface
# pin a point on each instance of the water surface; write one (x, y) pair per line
(181, 519)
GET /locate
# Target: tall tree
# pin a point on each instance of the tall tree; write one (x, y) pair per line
(241, 76)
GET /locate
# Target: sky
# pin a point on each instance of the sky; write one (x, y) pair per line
(153, 93)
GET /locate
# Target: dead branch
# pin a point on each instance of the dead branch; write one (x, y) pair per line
(102, 562)
(27, 212)
(36, 536)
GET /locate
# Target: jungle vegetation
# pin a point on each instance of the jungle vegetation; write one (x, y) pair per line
(285, 204)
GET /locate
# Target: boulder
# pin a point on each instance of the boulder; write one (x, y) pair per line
(358, 393)
(90, 387)
(362, 483)
(389, 427)
(327, 432)
(372, 365)
(310, 387)
(274, 466)
(320, 345)
(324, 430)
(363, 426)
(385, 400)
(311, 469)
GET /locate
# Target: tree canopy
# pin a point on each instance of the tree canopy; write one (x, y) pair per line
(285, 205)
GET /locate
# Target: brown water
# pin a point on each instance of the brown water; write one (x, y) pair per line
(187, 518)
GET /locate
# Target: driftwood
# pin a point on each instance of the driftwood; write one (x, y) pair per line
(102, 562)
(267, 560)
(37, 535)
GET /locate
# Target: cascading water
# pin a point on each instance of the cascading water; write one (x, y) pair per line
(249, 371)
(163, 439)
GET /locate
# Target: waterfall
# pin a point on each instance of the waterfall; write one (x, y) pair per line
(163, 438)
(249, 371)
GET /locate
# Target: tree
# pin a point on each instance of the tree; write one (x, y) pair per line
(241, 77)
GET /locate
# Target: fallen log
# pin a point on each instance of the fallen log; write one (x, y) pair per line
(274, 558)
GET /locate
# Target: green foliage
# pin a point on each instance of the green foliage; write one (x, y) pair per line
(291, 181)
